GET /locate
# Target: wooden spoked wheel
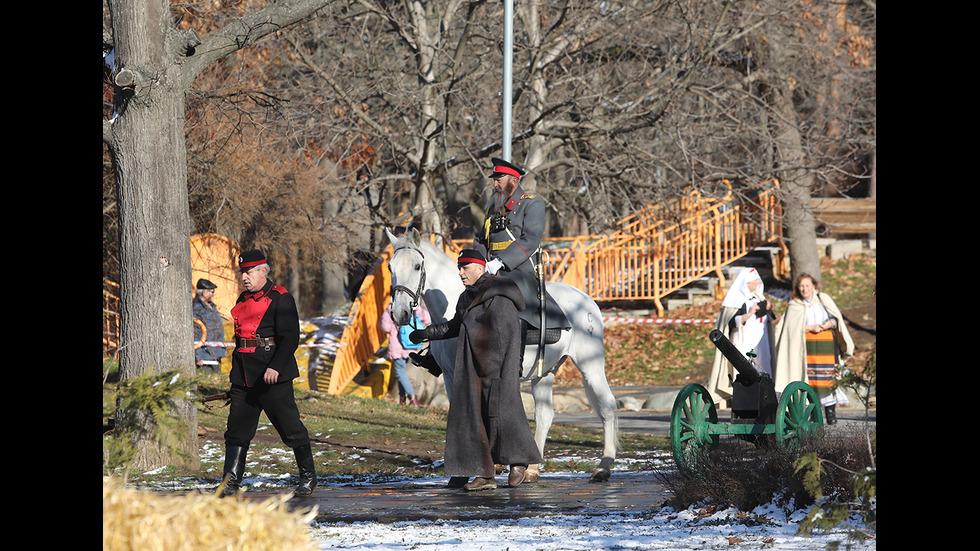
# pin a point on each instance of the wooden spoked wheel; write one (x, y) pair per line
(799, 417)
(691, 418)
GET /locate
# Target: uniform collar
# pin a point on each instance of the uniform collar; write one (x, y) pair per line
(261, 292)
(515, 198)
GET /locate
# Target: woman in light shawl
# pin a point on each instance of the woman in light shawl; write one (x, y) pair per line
(812, 341)
(746, 319)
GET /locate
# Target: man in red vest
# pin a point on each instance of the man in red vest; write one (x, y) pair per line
(263, 367)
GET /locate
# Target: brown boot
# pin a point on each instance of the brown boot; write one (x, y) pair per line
(481, 483)
(516, 476)
(413, 401)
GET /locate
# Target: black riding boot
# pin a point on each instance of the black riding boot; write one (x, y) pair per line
(307, 470)
(830, 414)
(234, 469)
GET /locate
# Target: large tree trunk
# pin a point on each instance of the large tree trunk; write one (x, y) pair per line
(154, 220)
(799, 224)
(796, 181)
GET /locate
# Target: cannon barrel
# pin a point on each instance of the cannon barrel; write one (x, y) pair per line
(749, 373)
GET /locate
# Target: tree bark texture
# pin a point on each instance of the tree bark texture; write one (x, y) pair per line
(148, 153)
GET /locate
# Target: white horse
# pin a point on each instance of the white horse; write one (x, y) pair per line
(421, 271)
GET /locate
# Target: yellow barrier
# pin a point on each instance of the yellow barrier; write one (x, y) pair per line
(362, 337)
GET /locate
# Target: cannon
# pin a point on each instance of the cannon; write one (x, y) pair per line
(758, 414)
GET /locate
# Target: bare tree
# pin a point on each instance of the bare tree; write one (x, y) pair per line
(616, 104)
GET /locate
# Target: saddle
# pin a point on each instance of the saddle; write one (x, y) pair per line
(554, 316)
(532, 335)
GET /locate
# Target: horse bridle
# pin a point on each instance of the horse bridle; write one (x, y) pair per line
(417, 294)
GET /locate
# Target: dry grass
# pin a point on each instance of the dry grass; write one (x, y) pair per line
(144, 521)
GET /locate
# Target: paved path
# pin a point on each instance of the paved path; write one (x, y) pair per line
(552, 494)
(657, 422)
(571, 408)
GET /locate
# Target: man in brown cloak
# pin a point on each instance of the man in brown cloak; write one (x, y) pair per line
(486, 423)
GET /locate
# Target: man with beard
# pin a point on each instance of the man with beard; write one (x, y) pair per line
(512, 232)
(486, 424)
(514, 223)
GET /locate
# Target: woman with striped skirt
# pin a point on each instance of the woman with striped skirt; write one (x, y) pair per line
(812, 342)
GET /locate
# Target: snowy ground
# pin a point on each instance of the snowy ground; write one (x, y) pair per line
(769, 527)
(763, 528)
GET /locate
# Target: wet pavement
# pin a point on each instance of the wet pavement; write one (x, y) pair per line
(552, 494)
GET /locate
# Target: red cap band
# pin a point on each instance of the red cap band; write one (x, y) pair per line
(507, 170)
(251, 264)
(471, 260)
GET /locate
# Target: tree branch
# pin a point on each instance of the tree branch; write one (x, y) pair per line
(246, 31)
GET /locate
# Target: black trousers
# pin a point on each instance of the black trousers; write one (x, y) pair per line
(279, 405)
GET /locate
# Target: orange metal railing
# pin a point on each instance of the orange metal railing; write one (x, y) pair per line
(663, 248)
(110, 318)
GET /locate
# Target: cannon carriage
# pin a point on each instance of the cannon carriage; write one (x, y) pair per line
(758, 415)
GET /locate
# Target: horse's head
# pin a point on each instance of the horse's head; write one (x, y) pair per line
(407, 267)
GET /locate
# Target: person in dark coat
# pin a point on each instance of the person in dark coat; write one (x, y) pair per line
(486, 424)
(263, 367)
(208, 357)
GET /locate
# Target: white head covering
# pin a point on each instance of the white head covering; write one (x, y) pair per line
(748, 334)
(739, 293)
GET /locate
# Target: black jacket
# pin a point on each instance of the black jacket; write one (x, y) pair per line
(270, 312)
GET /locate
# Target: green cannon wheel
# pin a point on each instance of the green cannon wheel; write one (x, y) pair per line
(693, 413)
(799, 417)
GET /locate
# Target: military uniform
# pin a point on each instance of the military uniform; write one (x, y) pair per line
(266, 337)
(512, 233)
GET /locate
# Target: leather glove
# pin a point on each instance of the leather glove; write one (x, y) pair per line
(494, 265)
(417, 336)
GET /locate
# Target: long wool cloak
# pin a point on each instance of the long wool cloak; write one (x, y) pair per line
(486, 423)
(791, 344)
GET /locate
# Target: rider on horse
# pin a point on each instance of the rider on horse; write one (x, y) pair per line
(511, 240)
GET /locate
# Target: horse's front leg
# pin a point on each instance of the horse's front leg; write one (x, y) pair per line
(544, 413)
